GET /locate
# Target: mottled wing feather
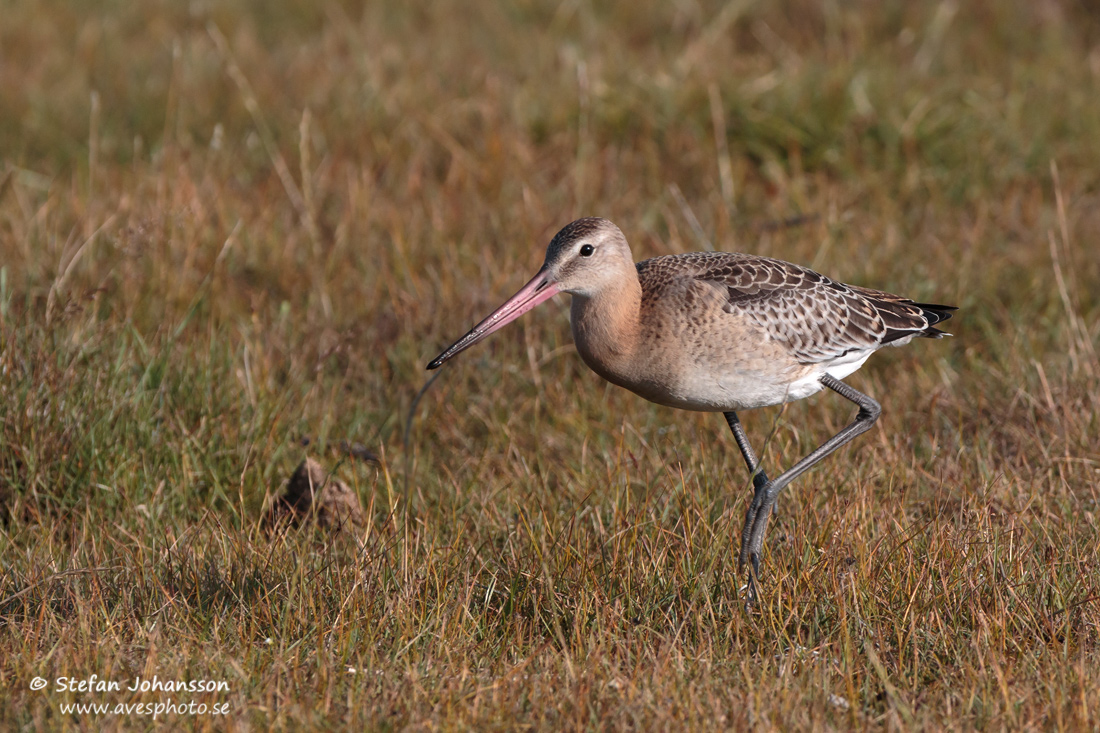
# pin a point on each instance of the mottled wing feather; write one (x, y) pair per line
(817, 318)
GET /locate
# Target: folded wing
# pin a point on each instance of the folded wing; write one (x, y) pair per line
(818, 318)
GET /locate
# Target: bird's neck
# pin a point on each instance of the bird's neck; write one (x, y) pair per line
(606, 328)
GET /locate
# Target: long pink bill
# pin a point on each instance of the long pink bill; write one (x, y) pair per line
(539, 290)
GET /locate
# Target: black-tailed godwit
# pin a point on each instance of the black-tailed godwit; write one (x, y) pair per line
(717, 332)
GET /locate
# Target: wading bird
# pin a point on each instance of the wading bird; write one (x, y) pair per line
(717, 332)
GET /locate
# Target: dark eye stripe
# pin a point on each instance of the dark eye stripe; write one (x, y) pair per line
(587, 250)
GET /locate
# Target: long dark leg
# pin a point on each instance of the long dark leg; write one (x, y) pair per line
(756, 518)
(759, 478)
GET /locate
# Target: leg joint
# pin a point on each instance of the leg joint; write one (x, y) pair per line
(869, 409)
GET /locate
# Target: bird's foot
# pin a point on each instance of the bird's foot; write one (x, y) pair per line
(752, 595)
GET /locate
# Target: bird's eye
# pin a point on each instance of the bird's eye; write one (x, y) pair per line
(587, 250)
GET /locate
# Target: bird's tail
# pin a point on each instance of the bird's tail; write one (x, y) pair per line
(935, 314)
(904, 318)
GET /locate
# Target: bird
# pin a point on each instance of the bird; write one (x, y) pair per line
(717, 332)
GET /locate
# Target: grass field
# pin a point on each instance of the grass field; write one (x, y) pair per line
(231, 229)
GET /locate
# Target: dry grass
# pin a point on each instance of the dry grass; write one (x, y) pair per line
(227, 226)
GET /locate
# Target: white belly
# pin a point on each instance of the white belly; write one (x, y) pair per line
(707, 392)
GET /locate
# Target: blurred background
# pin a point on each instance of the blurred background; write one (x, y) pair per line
(233, 233)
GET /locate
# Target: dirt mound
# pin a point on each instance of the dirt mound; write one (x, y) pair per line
(311, 493)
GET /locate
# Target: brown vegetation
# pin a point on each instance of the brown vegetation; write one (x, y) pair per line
(223, 225)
